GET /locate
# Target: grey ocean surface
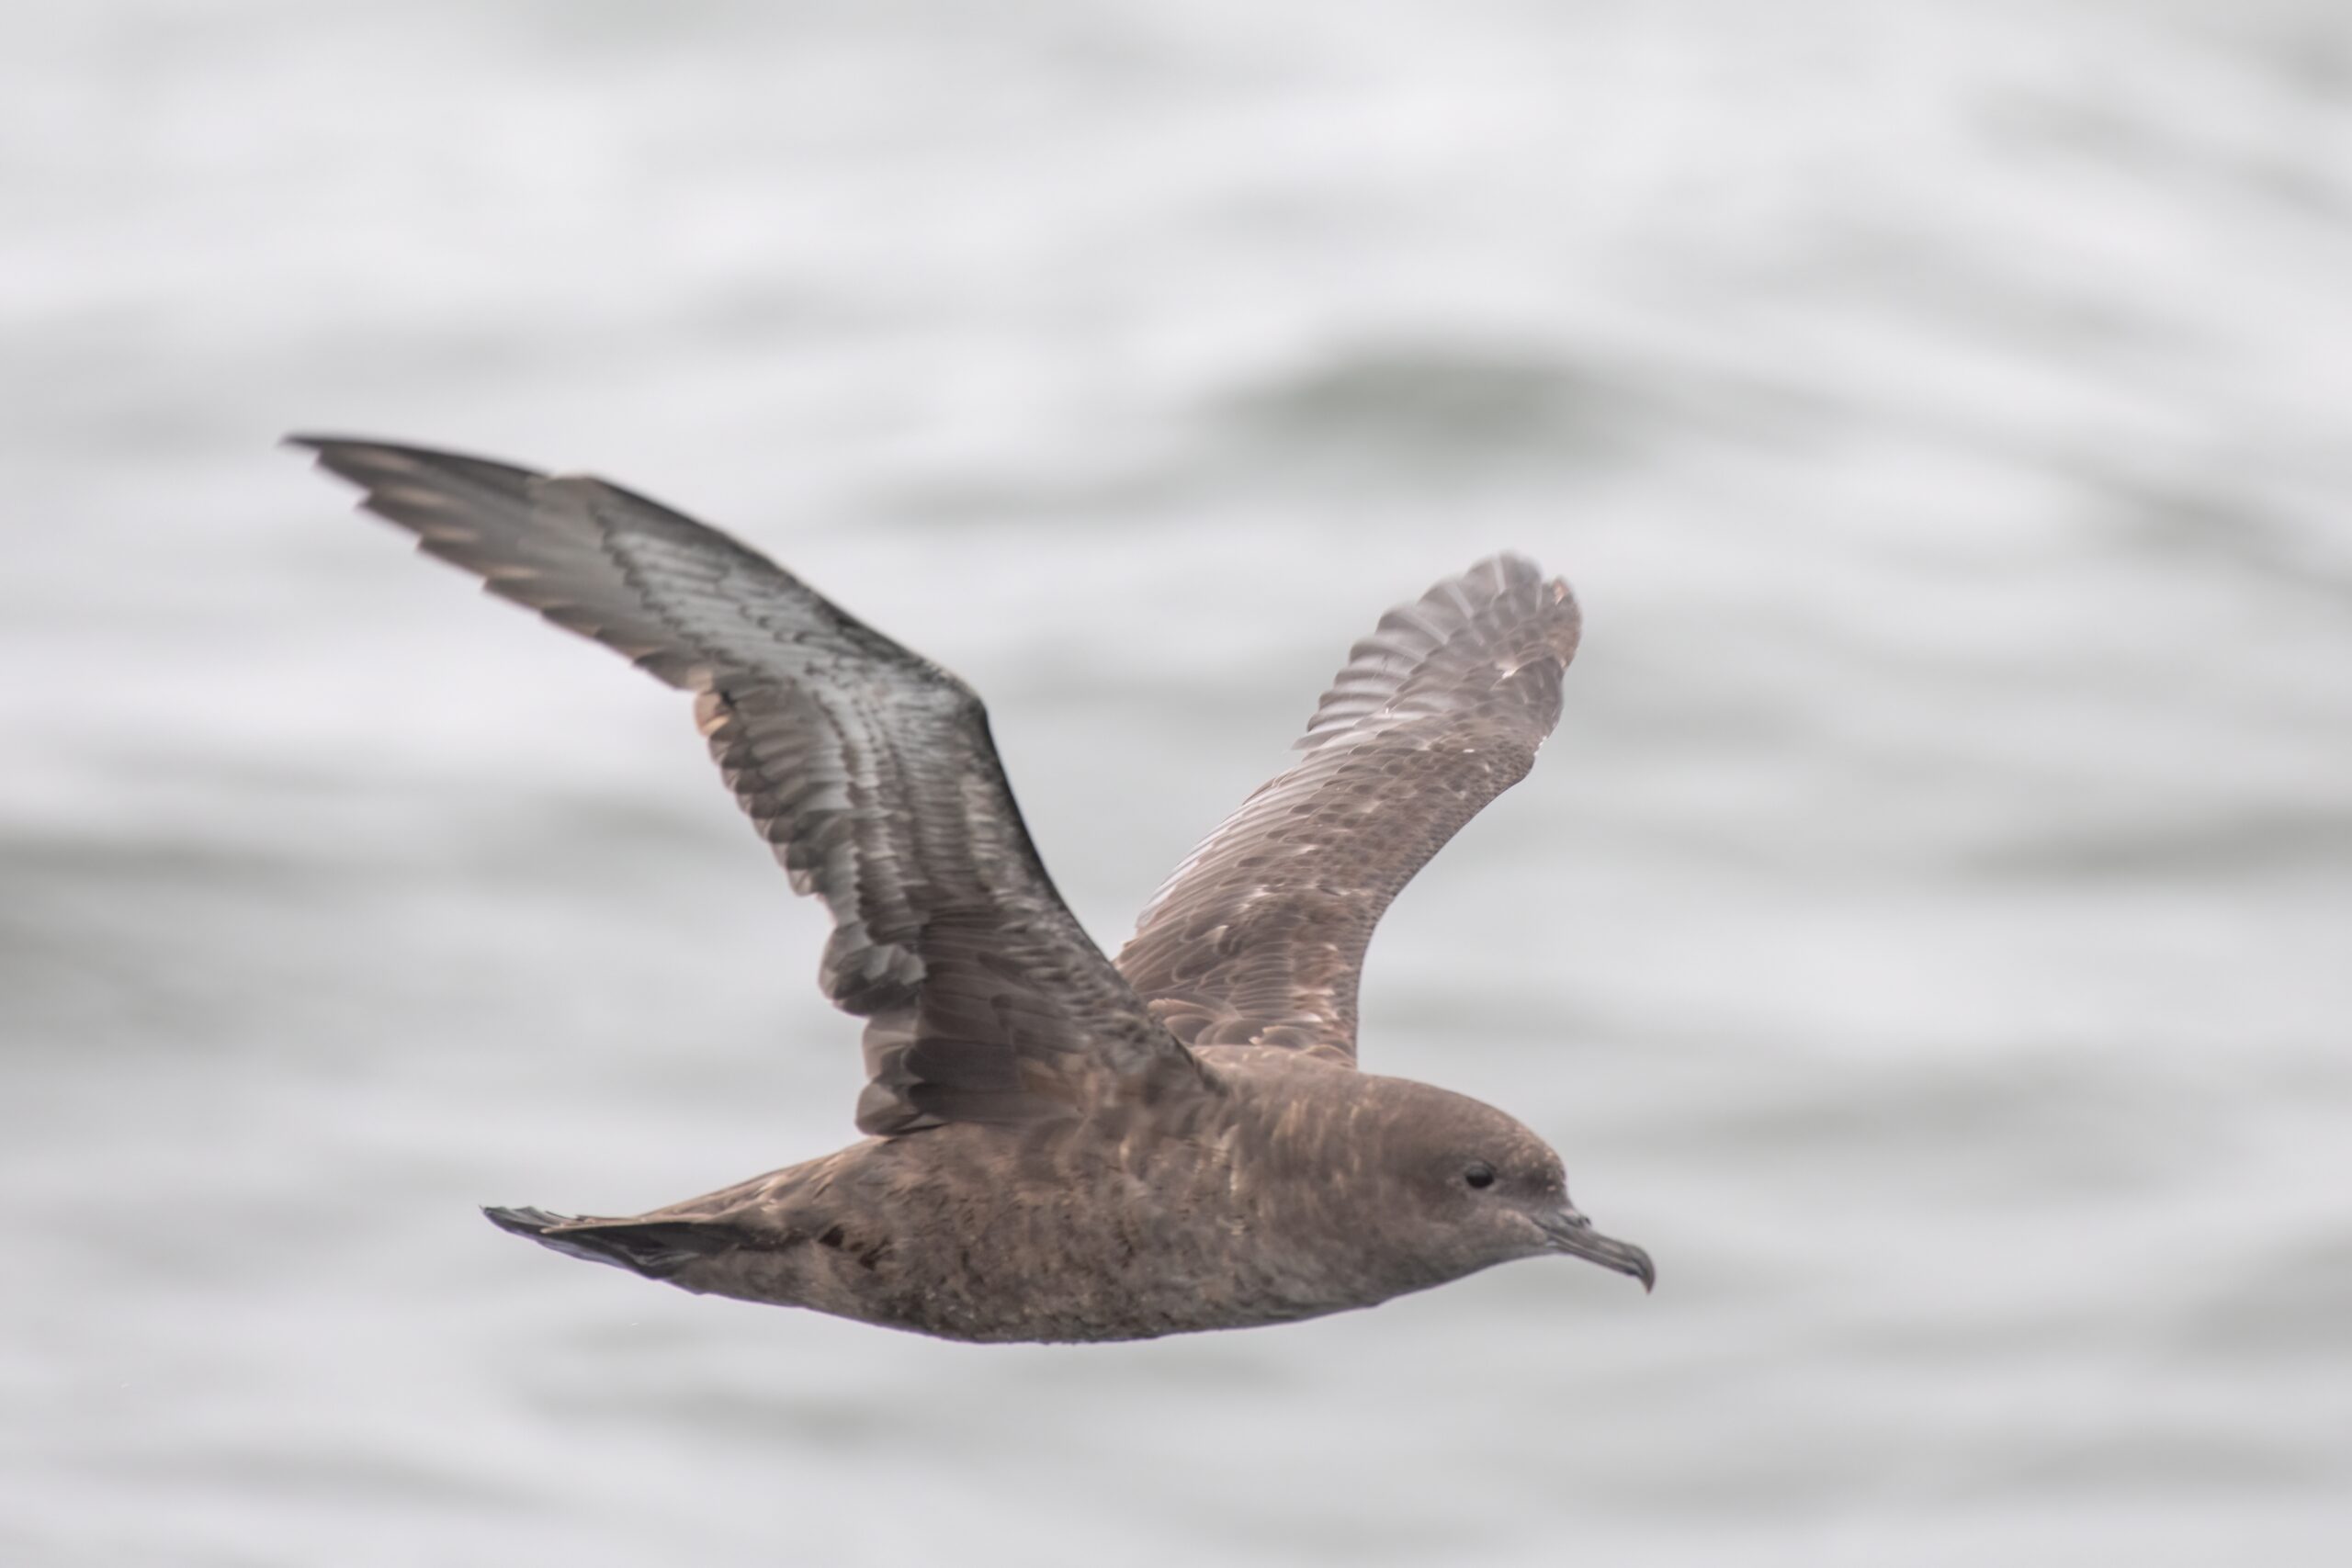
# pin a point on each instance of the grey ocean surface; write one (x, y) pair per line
(1926, 932)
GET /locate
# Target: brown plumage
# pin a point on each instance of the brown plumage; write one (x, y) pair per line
(1059, 1148)
(1258, 937)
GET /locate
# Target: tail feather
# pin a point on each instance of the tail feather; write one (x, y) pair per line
(655, 1249)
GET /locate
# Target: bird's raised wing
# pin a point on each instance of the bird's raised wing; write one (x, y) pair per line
(868, 770)
(1259, 937)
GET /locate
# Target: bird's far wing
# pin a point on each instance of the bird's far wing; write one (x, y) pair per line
(868, 770)
(1259, 937)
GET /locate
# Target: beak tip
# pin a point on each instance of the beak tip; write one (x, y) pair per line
(1637, 1264)
(1573, 1234)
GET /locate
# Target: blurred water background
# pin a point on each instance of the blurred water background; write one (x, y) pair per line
(1926, 932)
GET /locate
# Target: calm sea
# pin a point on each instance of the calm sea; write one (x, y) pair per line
(1928, 932)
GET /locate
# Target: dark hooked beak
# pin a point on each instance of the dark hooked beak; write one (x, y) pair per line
(1570, 1232)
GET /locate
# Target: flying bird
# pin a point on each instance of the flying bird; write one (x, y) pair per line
(1057, 1146)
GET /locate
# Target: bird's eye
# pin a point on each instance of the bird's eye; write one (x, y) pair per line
(1478, 1173)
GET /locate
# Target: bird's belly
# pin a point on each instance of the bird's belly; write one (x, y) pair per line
(1039, 1273)
(1142, 1296)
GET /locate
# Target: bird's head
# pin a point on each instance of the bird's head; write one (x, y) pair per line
(1466, 1187)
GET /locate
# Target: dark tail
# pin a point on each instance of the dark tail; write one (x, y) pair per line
(655, 1249)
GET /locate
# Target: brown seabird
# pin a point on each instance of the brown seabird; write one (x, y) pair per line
(1057, 1148)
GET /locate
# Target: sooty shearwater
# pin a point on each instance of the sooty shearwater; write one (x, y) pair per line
(1059, 1147)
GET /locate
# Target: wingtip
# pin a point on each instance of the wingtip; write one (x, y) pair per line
(1510, 566)
(1511, 569)
(531, 1222)
(328, 448)
(332, 453)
